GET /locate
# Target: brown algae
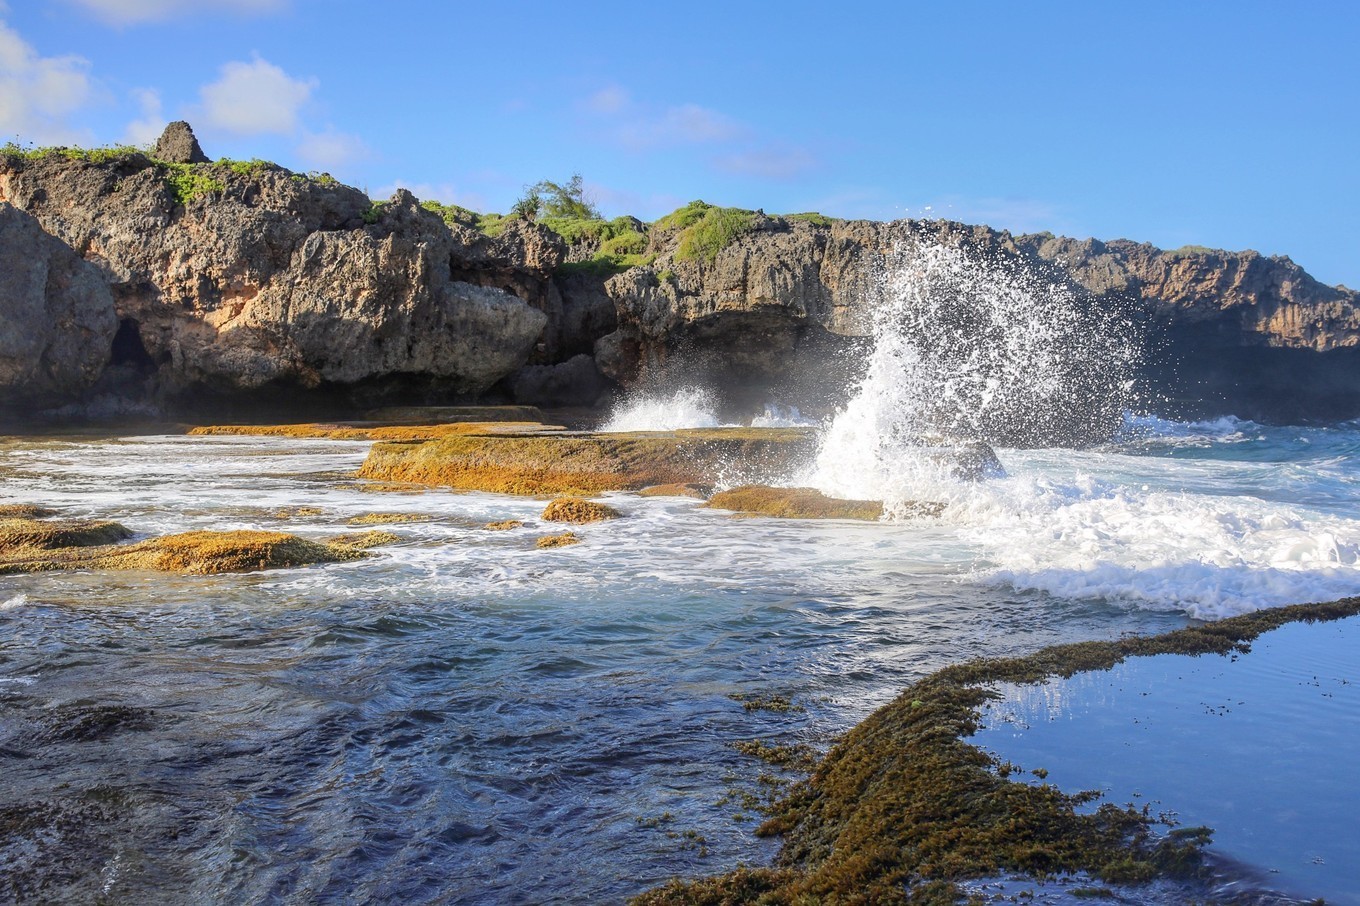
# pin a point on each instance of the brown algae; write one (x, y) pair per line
(565, 539)
(903, 807)
(578, 511)
(388, 518)
(201, 553)
(547, 463)
(793, 503)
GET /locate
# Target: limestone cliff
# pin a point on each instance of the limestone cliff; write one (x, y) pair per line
(173, 279)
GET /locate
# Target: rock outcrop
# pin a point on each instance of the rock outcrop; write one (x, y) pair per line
(179, 145)
(234, 279)
(57, 319)
(168, 279)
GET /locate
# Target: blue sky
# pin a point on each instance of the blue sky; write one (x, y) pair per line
(1227, 124)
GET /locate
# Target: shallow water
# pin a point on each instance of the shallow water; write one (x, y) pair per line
(1260, 747)
(463, 718)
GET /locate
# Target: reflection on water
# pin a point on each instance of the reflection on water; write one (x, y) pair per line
(1261, 747)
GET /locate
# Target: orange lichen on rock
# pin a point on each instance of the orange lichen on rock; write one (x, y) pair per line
(794, 503)
(563, 463)
(191, 552)
(563, 540)
(578, 511)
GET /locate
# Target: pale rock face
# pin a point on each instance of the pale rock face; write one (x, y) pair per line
(57, 317)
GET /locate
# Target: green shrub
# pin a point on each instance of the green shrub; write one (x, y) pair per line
(374, 212)
(248, 167)
(189, 181)
(714, 231)
(682, 218)
(813, 218)
(453, 214)
(90, 155)
(629, 243)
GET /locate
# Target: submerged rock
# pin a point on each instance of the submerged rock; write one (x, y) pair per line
(695, 491)
(797, 503)
(570, 463)
(578, 511)
(360, 541)
(504, 525)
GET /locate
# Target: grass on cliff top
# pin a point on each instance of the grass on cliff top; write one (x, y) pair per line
(903, 807)
(706, 230)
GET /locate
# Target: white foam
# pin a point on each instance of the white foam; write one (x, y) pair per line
(1210, 556)
(777, 416)
(14, 603)
(688, 407)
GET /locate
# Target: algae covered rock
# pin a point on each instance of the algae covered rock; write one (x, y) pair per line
(201, 553)
(794, 503)
(388, 518)
(503, 525)
(364, 540)
(566, 539)
(694, 491)
(546, 462)
(39, 534)
(578, 511)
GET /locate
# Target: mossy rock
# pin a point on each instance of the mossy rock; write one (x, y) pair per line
(504, 525)
(545, 463)
(25, 511)
(361, 541)
(565, 539)
(201, 553)
(388, 518)
(19, 533)
(695, 491)
(794, 503)
(578, 511)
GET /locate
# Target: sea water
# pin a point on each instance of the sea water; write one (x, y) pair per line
(463, 718)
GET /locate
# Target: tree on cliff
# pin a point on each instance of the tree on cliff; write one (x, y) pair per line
(550, 199)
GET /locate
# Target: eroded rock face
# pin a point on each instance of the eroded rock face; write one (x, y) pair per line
(255, 277)
(57, 318)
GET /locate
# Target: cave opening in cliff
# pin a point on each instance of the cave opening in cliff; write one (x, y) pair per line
(129, 350)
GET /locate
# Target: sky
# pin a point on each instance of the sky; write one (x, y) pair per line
(1227, 124)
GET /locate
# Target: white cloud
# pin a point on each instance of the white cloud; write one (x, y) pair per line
(148, 127)
(331, 149)
(135, 12)
(767, 162)
(38, 94)
(685, 124)
(256, 98)
(610, 99)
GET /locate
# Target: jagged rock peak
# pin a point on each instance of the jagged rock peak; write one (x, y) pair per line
(177, 145)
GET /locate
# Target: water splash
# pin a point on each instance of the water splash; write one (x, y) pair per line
(968, 348)
(687, 407)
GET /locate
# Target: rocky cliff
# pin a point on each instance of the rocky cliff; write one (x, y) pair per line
(175, 280)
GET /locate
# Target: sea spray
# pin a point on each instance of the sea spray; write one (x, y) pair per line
(684, 407)
(971, 347)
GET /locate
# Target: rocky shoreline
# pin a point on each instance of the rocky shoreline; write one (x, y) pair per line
(162, 282)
